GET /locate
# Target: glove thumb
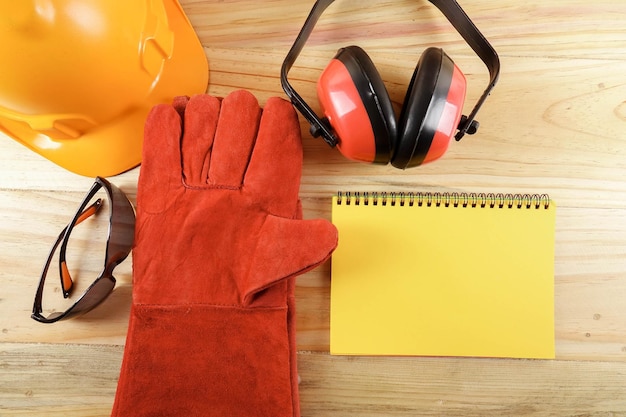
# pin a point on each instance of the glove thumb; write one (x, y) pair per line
(287, 248)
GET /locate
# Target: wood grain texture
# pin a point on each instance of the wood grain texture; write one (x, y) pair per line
(554, 124)
(68, 380)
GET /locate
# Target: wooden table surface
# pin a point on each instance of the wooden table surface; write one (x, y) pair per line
(554, 124)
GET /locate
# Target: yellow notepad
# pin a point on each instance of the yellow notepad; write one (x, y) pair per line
(443, 275)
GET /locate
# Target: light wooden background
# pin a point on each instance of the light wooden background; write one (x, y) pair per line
(555, 124)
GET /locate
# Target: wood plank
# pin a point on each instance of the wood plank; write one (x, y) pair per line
(62, 380)
(371, 387)
(538, 134)
(590, 315)
(76, 380)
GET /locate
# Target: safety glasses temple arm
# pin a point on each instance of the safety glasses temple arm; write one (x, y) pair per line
(66, 279)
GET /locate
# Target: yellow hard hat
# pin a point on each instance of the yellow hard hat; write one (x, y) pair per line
(80, 76)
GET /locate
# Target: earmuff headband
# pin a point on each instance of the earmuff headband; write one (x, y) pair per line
(455, 15)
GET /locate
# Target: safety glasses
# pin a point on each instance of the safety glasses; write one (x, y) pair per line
(118, 246)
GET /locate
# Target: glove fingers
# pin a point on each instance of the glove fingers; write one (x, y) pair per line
(180, 103)
(276, 163)
(234, 139)
(201, 114)
(160, 168)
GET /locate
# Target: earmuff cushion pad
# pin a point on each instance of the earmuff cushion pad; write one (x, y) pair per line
(423, 107)
(374, 97)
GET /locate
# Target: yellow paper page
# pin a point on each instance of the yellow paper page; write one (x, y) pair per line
(443, 281)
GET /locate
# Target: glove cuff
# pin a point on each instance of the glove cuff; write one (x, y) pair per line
(235, 362)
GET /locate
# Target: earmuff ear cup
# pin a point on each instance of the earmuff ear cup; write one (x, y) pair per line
(358, 107)
(431, 111)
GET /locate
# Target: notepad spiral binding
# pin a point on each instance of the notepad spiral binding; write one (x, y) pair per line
(482, 200)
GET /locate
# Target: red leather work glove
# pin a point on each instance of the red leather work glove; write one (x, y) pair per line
(219, 241)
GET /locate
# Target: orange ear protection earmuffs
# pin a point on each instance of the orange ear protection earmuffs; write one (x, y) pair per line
(358, 115)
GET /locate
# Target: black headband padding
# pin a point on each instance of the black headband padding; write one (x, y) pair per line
(375, 99)
(423, 107)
